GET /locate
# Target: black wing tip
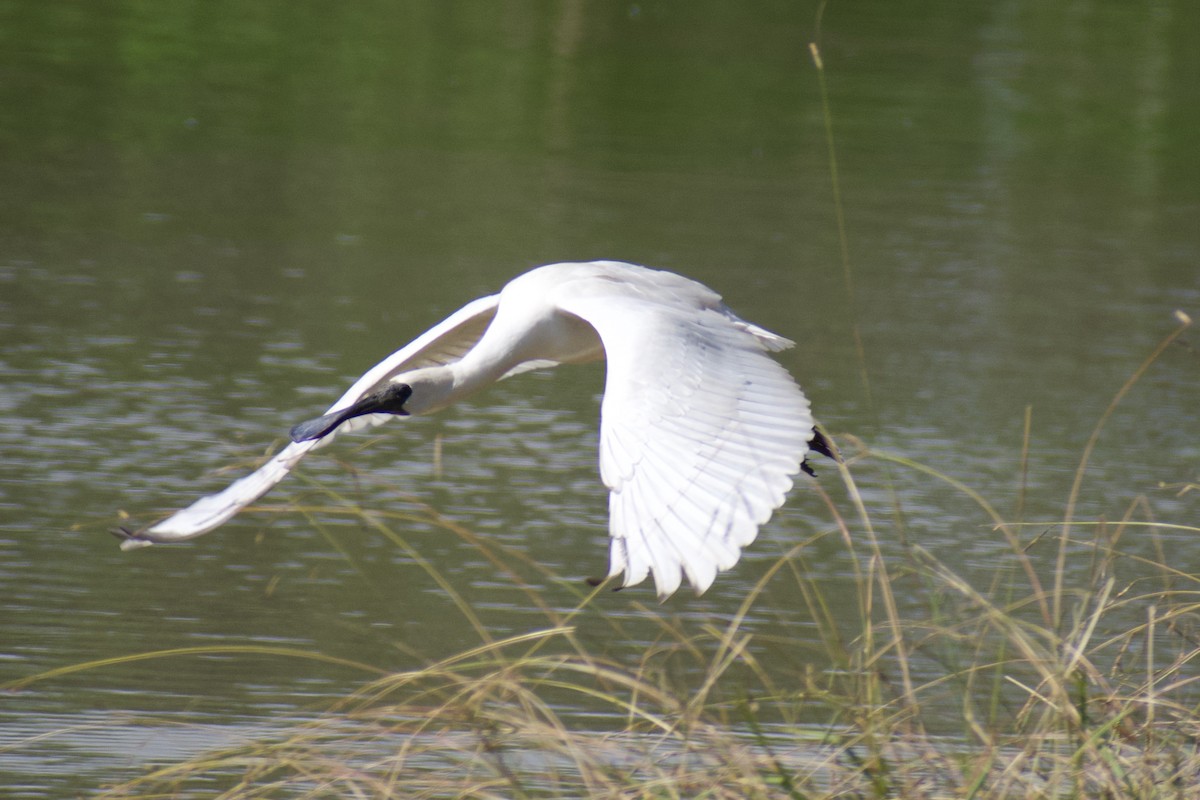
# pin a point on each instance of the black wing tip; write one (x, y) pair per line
(819, 443)
(131, 540)
(123, 533)
(597, 582)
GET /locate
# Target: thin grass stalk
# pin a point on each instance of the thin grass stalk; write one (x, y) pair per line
(821, 613)
(860, 350)
(881, 579)
(487, 653)
(1005, 527)
(1150, 668)
(176, 652)
(1023, 468)
(443, 583)
(1077, 484)
(374, 519)
(835, 182)
(724, 654)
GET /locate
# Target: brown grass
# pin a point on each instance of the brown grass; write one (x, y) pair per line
(1067, 682)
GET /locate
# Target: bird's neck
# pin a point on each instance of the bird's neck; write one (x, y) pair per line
(435, 388)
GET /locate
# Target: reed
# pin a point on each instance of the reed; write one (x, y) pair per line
(1067, 682)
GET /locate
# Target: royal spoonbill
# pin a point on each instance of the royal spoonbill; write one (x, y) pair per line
(700, 431)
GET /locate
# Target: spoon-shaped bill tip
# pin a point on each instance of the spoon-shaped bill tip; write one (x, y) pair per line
(387, 401)
(316, 428)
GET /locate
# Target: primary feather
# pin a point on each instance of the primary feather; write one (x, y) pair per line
(701, 431)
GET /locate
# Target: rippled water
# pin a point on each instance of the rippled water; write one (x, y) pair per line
(212, 221)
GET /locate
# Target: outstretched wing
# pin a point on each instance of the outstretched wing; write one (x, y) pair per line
(700, 433)
(445, 342)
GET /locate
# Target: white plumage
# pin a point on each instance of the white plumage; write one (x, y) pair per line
(700, 431)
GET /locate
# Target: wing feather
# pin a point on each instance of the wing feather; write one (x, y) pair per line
(441, 344)
(701, 431)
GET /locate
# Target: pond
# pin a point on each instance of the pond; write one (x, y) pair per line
(215, 216)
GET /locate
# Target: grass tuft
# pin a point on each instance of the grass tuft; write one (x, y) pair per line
(1036, 681)
(1068, 668)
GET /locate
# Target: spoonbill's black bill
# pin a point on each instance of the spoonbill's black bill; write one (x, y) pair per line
(701, 432)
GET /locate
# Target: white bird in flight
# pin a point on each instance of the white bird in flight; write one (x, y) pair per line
(700, 431)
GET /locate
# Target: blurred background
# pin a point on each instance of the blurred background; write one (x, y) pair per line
(213, 216)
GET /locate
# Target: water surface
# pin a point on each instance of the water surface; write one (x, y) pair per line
(214, 217)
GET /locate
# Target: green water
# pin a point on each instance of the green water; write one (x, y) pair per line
(215, 215)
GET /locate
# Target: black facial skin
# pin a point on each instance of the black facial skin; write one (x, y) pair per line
(386, 401)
